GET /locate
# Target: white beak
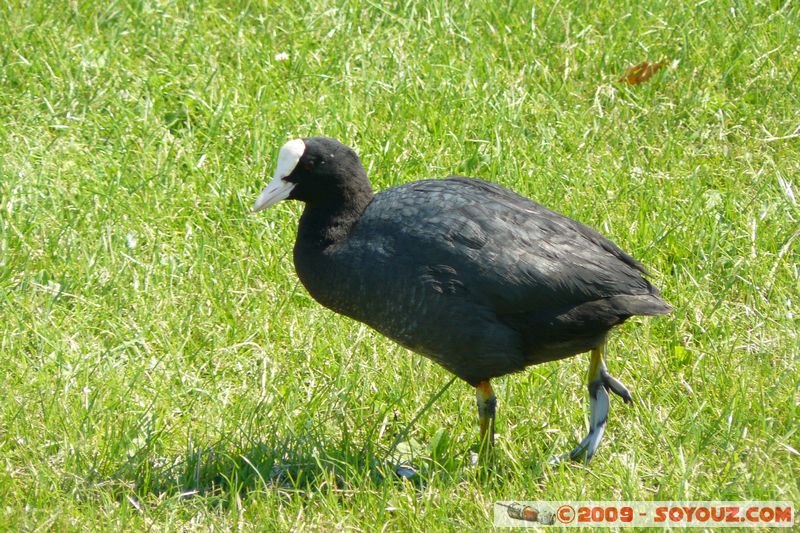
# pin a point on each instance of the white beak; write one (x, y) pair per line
(277, 190)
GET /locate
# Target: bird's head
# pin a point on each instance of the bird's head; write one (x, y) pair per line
(319, 171)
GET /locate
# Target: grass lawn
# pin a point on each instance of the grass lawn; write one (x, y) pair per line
(161, 366)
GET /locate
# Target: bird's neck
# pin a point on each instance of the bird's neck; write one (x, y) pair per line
(322, 226)
(321, 235)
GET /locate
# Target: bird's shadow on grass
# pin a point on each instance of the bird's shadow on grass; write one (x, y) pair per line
(297, 465)
(225, 468)
(286, 466)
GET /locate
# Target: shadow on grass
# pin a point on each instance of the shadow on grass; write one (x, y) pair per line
(299, 465)
(287, 466)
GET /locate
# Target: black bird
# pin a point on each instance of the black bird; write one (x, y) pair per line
(471, 275)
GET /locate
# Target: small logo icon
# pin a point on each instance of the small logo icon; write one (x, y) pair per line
(566, 514)
(527, 513)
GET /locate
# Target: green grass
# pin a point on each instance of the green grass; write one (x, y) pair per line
(161, 366)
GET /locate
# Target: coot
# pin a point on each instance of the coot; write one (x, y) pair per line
(479, 279)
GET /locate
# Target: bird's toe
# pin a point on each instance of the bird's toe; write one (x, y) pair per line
(614, 385)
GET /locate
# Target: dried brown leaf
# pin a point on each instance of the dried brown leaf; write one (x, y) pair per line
(642, 72)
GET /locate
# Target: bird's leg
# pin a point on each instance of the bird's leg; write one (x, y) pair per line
(487, 404)
(599, 384)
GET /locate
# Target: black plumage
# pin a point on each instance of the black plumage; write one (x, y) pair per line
(477, 278)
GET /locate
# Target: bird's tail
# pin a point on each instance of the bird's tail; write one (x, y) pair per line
(640, 304)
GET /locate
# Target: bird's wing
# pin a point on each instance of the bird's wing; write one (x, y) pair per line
(465, 234)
